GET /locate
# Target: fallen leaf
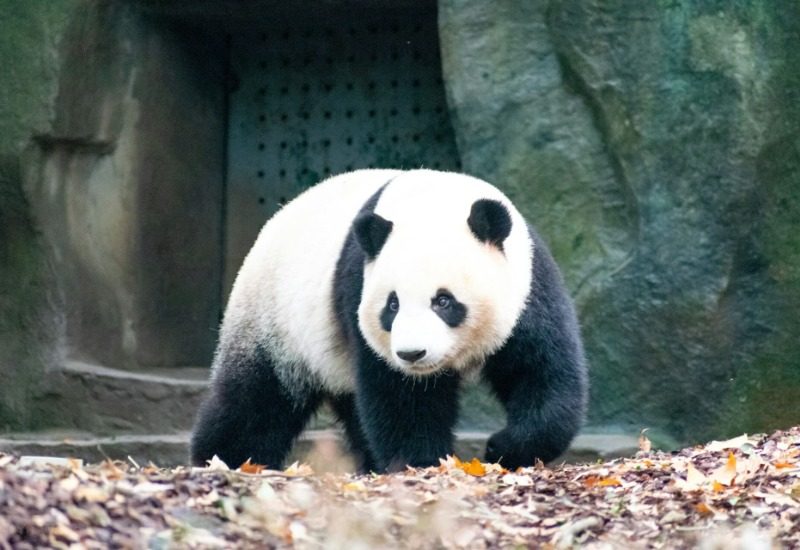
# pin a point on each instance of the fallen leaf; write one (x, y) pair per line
(473, 467)
(726, 474)
(111, 470)
(495, 469)
(644, 442)
(704, 509)
(216, 464)
(693, 475)
(249, 468)
(354, 486)
(299, 470)
(776, 498)
(520, 480)
(735, 443)
(695, 479)
(673, 516)
(609, 482)
(597, 481)
(447, 463)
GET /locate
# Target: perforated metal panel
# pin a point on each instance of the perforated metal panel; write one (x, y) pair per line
(319, 99)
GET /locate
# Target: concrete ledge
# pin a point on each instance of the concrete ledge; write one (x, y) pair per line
(112, 401)
(179, 376)
(172, 449)
(161, 449)
(107, 401)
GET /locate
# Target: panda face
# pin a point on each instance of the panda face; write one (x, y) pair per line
(446, 274)
(423, 332)
(434, 307)
(421, 329)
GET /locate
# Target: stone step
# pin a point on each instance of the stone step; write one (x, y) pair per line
(106, 401)
(322, 448)
(106, 412)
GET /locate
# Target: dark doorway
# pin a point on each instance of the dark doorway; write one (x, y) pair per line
(317, 96)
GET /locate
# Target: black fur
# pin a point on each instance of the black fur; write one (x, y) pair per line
(540, 373)
(249, 413)
(490, 222)
(405, 421)
(345, 408)
(454, 313)
(371, 232)
(387, 313)
(392, 420)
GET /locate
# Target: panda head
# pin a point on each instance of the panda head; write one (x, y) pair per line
(446, 276)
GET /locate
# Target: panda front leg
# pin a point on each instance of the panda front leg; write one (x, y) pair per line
(541, 423)
(406, 420)
(345, 408)
(540, 374)
(541, 381)
(249, 413)
(544, 394)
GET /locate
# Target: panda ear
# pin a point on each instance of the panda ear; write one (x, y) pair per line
(371, 232)
(490, 222)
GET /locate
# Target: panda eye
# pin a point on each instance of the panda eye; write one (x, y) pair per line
(394, 303)
(442, 301)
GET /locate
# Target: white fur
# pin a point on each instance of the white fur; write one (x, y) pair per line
(282, 297)
(283, 294)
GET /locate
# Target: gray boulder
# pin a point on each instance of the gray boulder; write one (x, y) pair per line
(657, 148)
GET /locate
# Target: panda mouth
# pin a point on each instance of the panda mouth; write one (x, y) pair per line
(421, 369)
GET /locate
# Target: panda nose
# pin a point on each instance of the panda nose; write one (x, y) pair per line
(411, 356)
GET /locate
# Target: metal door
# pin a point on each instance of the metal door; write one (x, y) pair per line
(353, 91)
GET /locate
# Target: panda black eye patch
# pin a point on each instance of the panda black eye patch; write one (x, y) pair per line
(389, 311)
(449, 310)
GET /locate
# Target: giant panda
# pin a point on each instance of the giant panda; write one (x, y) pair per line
(382, 291)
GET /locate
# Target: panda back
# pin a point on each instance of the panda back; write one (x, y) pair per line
(282, 299)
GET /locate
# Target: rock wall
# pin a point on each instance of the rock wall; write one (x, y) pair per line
(112, 138)
(127, 186)
(656, 145)
(31, 328)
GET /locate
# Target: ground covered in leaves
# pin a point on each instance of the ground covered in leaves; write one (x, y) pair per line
(744, 493)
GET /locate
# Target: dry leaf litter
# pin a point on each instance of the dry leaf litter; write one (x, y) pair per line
(741, 493)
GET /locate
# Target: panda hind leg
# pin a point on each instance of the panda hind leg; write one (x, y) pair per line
(344, 406)
(249, 413)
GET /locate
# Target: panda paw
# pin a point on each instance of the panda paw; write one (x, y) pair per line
(509, 451)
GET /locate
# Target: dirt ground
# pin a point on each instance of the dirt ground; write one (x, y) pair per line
(740, 493)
